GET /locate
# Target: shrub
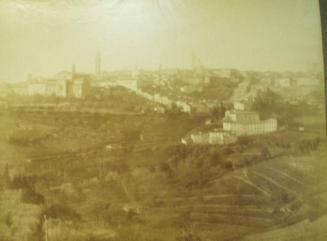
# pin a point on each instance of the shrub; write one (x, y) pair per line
(23, 182)
(30, 196)
(228, 165)
(244, 140)
(215, 159)
(65, 213)
(188, 236)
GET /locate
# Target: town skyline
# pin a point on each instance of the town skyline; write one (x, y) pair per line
(162, 120)
(45, 37)
(99, 69)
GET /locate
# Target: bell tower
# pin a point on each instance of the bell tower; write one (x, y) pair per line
(73, 70)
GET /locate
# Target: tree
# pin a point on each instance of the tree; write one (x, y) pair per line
(215, 158)
(188, 236)
(218, 111)
(265, 153)
(174, 110)
(244, 140)
(130, 137)
(6, 176)
(268, 103)
(62, 212)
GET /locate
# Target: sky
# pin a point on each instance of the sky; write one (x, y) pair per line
(44, 37)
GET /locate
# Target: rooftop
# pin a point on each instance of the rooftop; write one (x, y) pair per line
(244, 117)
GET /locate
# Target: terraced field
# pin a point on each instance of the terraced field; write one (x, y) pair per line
(131, 192)
(267, 196)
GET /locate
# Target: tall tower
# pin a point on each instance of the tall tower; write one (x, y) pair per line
(98, 65)
(29, 77)
(73, 70)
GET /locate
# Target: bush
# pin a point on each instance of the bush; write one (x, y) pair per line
(228, 151)
(228, 165)
(265, 153)
(30, 196)
(215, 159)
(23, 182)
(309, 145)
(58, 211)
(188, 236)
(244, 140)
(27, 137)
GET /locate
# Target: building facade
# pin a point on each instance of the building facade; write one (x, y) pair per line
(257, 128)
(36, 88)
(240, 123)
(214, 137)
(79, 86)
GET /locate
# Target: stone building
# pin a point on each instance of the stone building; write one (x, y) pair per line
(243, 122)
(79, 86)
(209, 136)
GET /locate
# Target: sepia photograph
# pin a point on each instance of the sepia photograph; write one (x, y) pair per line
(162, 120)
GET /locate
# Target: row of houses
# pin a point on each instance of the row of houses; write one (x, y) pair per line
(63, 84)
(46, 87)
(73, 84)
(213, 137)
(165, 101)
(193, 80)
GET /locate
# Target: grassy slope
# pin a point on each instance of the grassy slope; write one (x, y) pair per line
(251, 199)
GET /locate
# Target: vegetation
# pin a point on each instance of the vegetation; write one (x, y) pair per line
(271, 104)
(220, 89)
(128, 178)
(62, 212)
(218, 112)
(28, 136)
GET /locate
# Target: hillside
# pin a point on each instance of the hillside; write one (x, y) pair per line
(129, 178)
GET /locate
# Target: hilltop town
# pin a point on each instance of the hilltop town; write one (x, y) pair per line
(196, 91)
(192, 154)
(162, 120)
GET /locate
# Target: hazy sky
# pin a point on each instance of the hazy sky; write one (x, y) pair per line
(44, 37)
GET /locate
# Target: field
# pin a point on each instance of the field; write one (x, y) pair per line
(115, 177)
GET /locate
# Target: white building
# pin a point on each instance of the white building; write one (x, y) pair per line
(62, 80)
(62, 88)
(242, 105)
(213, 137)
(241, 122)
(36, 88)
(186, 108)
(43, 87)
(77, 89)
(5, 89)
(21, 89)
